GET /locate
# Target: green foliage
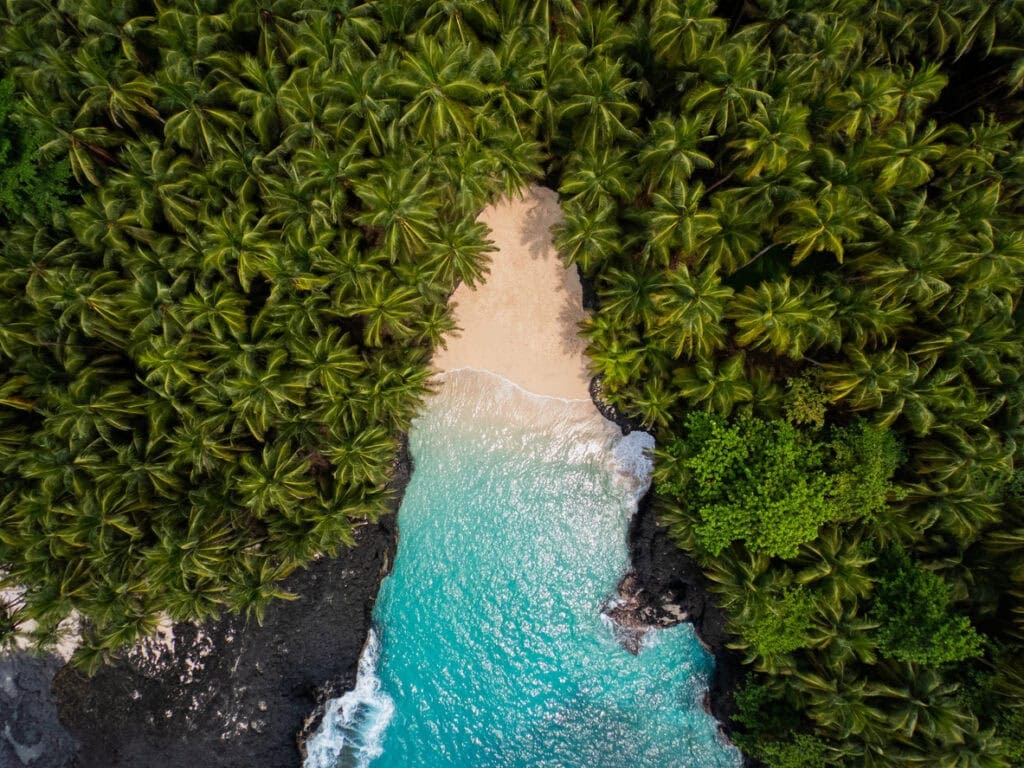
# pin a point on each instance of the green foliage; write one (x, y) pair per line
(1014, 490)
(864, 460)
(806, 401)
(27, 183)
(752, 480)
(770, 485)
(918, 625)
(205, 363)
(783, 625)
(772, 730)
(801, 751)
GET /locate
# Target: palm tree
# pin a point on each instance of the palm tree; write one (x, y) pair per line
(865, 380)
(360, 102)
(926, 706)
(682, 30)
(156, 180)
(629, 296)
(236, 245)
(539, 12)
(84, 146)
(458, 253)
(363, 457)
(303, 113)
(600, 106)
(440, 86)
(771, 137)
(261, 393)
(787, 318)
(919, 88)
(106, 221)
(459, 21)
(514, 70)
(690, 309)
(389, 309)
(677, 221)
(728, 90)
(718, 388)
(670, 156)
(193, 121)
(254, 88)
(826, 224)
(334, 32)
(398, 206)
(588, 237)
(738, 238)
(837, 566)
(600, 31)
(844, 707)
(870, 103)
(596, 179)
(903, 155)
(278, 481)
(119, 95)
(655, 404)
(864, 320)
(614, 352)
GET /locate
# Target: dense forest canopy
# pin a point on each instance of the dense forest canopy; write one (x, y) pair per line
(230, 230)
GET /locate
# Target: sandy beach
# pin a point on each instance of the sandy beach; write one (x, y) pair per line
(522, 323)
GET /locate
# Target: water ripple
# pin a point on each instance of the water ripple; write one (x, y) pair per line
(492, 648)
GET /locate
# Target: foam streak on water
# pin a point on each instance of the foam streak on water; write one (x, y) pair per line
(492, 648)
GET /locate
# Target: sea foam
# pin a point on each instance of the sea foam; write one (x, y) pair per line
(354, 724)
(490, 649)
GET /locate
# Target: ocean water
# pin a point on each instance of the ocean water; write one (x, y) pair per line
(490, 649)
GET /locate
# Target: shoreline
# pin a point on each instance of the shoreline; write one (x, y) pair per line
(232, 692)
(668, 575)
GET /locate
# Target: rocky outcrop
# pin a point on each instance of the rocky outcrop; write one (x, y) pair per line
(634, 611)
(31, 735)
(233, 692)
(666, 575)
(667, 585)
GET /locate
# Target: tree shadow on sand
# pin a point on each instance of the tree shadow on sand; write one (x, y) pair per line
(544, 214)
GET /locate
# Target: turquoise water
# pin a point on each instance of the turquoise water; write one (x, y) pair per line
(490, 648)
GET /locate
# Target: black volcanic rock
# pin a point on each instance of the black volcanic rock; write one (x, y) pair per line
(669, 576)
(31, 735)
(233, 693)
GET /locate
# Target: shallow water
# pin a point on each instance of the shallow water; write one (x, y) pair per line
(490, 648)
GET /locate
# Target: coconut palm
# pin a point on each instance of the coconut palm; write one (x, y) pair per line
(678, 221)
(588, 237)
(459, 253)
(439, 86)
(682, 29)
(728, 89)
(690, 310)
(671, 155)
(716, 387)
(785, 317)
(826, 224)
(596, 179)
(398, 207)
(600, 105)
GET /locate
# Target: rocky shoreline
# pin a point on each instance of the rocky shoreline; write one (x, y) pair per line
(229, 693)
(235, 693)
(666, 586)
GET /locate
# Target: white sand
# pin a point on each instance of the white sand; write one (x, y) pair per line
(68, 630)
(522, 323)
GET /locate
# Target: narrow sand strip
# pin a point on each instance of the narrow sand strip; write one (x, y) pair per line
(523, 322)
